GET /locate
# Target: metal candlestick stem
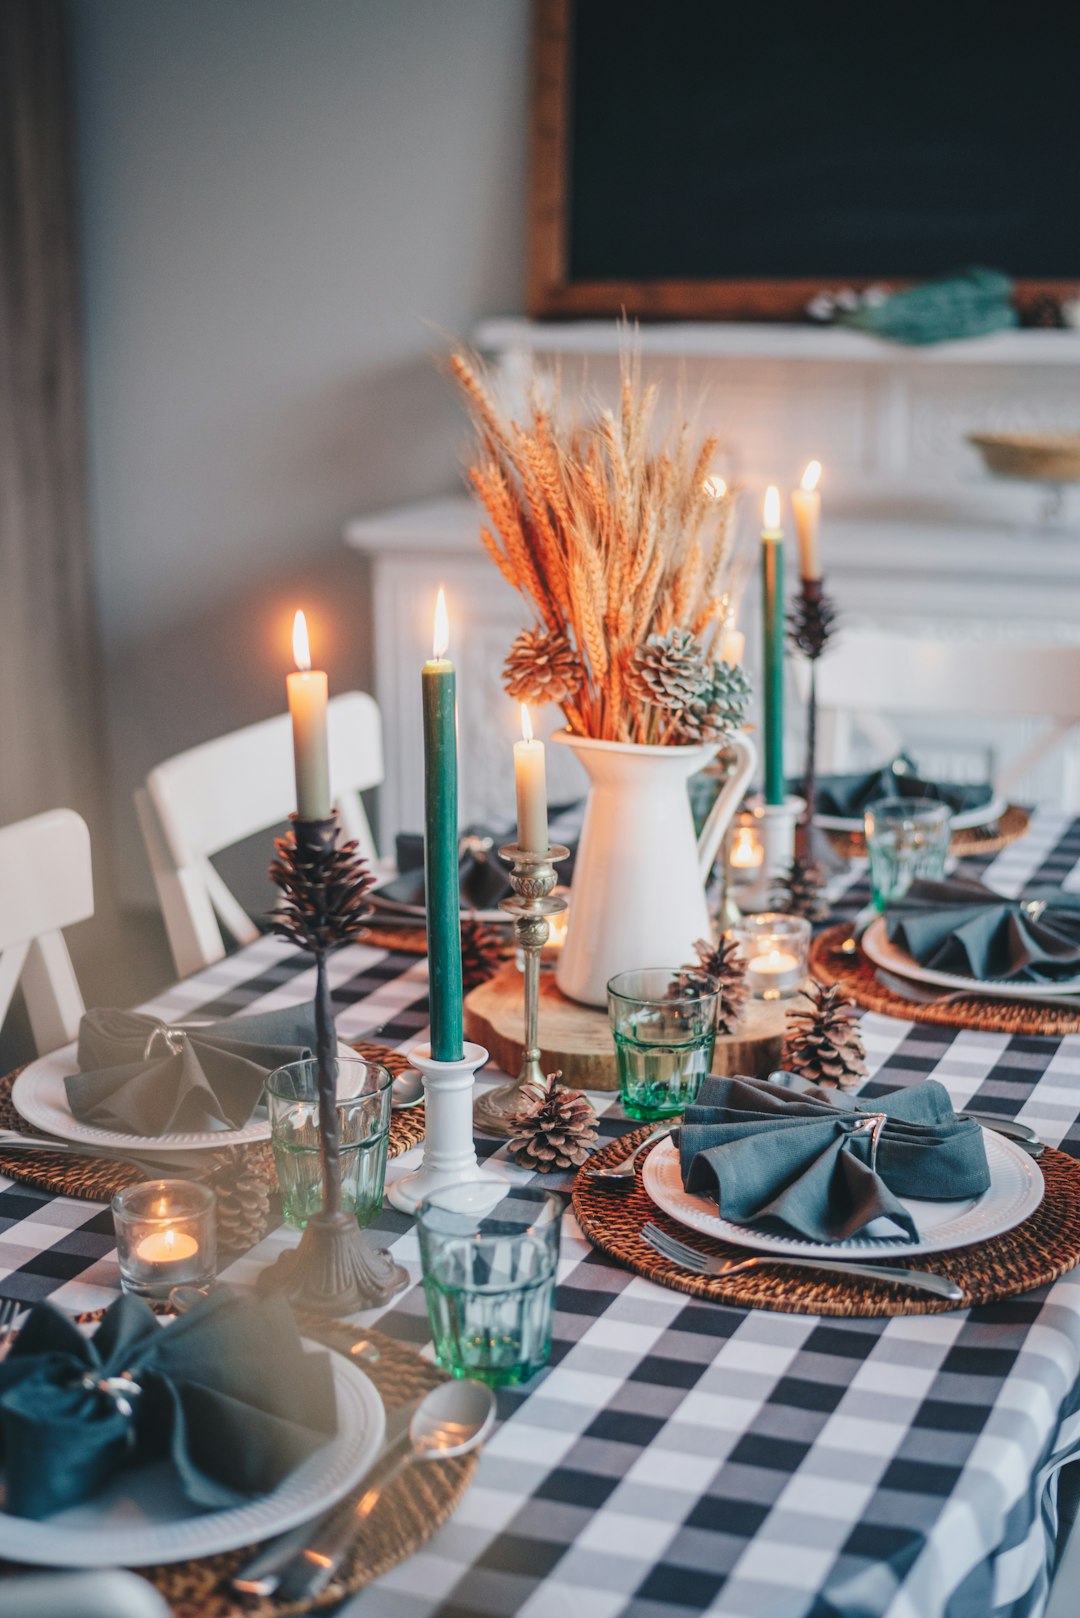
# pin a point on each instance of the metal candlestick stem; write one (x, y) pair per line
(532, 877)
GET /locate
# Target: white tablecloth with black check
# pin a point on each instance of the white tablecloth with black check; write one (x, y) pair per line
(677, 1457)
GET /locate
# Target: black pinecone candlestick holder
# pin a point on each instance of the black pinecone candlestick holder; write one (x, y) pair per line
(336, 1269)
(811, 622)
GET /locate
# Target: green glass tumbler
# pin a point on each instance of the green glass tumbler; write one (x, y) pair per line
(906, 839)
(364, 1092)
(664, 1034)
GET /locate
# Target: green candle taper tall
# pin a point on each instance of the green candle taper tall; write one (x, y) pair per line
(441, 847)
(772, 647)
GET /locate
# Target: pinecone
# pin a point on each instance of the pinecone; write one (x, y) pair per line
(825, 1044)
(325, 890)
(721, 711)
(542, 666)
(801, 891)
(556, 1131)
(670, 671)
(483, 951)
(242, 1183)
(719, 965)
(811, 620)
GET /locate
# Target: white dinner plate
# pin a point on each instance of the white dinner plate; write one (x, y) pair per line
(143, 1517)
(1016, 1190)
(883, 952)
(966, 820)
(39, 1096)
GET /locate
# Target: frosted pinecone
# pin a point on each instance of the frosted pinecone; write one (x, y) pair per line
(670, 671)
(721, 710)
(542, 666)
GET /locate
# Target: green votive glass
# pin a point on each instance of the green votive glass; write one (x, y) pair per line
(489, 1256)
(906, 838)
(664, 1035)
(292, 1098)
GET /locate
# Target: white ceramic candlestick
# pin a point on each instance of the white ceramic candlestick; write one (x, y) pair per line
(449, 1153)
(775, 827)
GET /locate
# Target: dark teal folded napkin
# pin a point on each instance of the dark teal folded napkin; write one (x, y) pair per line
(141, 1075)
(962, 927)
(802, 1158)
(228, 1391)
(848, 796)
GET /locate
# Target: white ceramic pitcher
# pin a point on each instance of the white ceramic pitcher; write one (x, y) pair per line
(639, 878)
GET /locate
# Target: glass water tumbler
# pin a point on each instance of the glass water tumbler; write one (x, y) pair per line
(664, 1028)
(906, 839)
(363, 1107)
(489, 1255)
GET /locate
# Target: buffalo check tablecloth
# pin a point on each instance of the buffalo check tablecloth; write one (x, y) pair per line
(678, 1457)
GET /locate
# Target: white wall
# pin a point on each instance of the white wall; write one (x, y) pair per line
(277, 196)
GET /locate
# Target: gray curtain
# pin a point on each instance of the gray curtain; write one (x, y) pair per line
(50, 734)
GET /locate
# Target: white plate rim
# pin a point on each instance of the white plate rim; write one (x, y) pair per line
(297, 1498)
(966, 820)
(698, 1213)
(884, 953)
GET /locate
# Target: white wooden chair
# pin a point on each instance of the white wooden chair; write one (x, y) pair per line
(211, 797)
(869, 675)
(46, 884)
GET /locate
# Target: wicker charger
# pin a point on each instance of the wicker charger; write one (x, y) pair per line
(1035, 1253)
(856, 975)
(967, 844)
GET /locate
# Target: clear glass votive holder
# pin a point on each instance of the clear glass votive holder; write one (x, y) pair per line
(776, 949)
(363, 1108)
(906, 838)
(489, 1255)
(165, 1236)
(664, 1032)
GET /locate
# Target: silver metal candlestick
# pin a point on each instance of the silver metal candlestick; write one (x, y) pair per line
(532, 877)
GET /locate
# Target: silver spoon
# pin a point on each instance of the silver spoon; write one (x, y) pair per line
(407, 1091)
(621, 1174)
(451, 1420)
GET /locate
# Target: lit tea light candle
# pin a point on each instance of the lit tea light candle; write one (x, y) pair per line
(747, 853)
(774, 974)
(166, 1247)
(776, 950)
(165, 1236)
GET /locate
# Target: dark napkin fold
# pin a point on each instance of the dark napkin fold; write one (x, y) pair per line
(227, 1391)
(849, 795)
(141, 1075)
(804, 1158)
(962, 927)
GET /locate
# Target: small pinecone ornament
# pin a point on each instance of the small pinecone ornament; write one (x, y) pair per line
(542, 666)
(325, 892)
(483, 951)
(801, 890)
(556, 1131)
(811, 620)
(824, 1043)
(670, 671)
(722, 965)
(721, 710)
(242, 1183)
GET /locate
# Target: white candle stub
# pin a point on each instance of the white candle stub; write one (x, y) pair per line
(166, 1247)
(531, 783)
(773, 974)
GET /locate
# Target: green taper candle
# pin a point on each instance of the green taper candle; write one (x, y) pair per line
(441, 847)
(772, 646)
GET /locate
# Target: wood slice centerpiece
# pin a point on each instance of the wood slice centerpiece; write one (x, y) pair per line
(577, 1039)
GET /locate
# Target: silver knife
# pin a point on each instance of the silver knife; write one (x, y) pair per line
(261, 1575)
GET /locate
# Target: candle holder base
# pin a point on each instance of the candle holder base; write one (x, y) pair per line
(776, 823)
(335, 1270)
(449, 1153)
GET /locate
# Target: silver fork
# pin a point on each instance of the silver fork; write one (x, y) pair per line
(622, 1173)
(920, 994)
(11, 1311)
(688, 1258)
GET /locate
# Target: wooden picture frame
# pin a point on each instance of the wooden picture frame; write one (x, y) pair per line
(551, 293)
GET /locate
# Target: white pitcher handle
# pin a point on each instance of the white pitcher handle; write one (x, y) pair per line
(727, 802)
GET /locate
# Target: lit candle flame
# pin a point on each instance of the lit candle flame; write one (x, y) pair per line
(526, 724)
(772, 509)
(301, 649)
(442, 627)
(715, 488)
(810, 476)
(170, 1238)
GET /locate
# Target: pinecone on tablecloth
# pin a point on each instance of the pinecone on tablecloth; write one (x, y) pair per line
(557, 1130)
(670, 671)
(720, 710)
(483, 951)
(801, 890)
(542, 666)
(325, 890)
(242, 1183)
(824, 1043)
(720, 965)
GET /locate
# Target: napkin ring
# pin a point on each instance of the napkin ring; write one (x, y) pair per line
(120, 1389)
(872, 1125)
(174, 1036)
(1034, 908)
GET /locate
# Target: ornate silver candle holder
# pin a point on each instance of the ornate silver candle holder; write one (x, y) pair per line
(532, 877)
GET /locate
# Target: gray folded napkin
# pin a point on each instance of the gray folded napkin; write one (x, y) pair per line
(149, 1078)
(962, 927)
(847, 796)
(798, 1157)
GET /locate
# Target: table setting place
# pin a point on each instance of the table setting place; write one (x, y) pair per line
(722, 1284)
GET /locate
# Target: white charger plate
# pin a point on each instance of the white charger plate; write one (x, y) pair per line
(143, 1517)
(880, 949)
(966, 820)
(1016, 1190)
(38, 1095)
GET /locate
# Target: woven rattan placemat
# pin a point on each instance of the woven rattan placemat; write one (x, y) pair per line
(99, 1179)
(830, 964)
(988, 839)
(1038, 1251)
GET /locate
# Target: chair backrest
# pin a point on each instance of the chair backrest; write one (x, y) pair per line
(46, 883)
(874, 672)
(214, 796)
